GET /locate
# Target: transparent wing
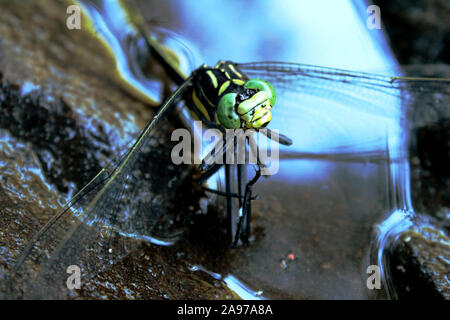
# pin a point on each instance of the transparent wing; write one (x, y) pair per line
(331, 111)
(130, 199)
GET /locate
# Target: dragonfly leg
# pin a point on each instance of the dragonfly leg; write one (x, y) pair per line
(231, 205)
(231, 210)
(226, 194)
(243, 228)
(238, 212)
(211, 171)
(241, 178)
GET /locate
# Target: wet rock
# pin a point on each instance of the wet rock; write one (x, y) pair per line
(419, 264)
(418, 30)
(429, 149)
(431, 170)
(419, 34)
(419, 259)
(64, 115)
(154, 273)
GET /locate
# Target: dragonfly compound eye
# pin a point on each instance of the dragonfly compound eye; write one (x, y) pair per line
(262, 85)
(226, 113)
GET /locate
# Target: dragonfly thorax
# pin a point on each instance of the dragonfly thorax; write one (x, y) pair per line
(226, 96)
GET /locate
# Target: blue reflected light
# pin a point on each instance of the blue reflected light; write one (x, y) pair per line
(113, 28)
(28, 87)
(153, 240)
(241, 290)
(327, 32)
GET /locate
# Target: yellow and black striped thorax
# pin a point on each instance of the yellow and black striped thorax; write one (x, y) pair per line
(210, 84)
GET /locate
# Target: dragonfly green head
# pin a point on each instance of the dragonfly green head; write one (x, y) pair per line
(239, 110)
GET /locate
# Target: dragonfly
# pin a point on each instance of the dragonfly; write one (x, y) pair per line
(128, 200)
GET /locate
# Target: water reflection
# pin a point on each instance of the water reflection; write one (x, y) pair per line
(233, 283)
(329, 33)
(389, 230)
(111, 26)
